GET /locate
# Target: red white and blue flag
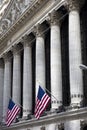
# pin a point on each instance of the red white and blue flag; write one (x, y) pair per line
(12, 112)
(41, 102)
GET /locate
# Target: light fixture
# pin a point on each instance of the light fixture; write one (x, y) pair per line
(83, 67)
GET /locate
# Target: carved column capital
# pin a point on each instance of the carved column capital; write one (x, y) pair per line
(27, 40)
(39, 30)
(16, 49)
(55, 18)
(7, 56)
(74, 4)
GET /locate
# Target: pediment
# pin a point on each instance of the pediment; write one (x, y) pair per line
(13, 11)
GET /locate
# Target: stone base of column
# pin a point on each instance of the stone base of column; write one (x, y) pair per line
(61, 108)
(53, 110)
(75, 105)
(77, 100)
(27, 117)
(72, 107)
(56, 104)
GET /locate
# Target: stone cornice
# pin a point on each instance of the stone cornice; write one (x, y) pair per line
(26, 15)
(79, 114)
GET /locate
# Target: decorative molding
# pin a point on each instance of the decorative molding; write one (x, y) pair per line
(76, 96)
(56, 102)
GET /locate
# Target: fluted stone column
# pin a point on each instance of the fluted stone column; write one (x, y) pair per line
(16, 91)
(27, 77)
(75, 57)
(40, 58)
(1, 87)
(7, 82)
(56, 72)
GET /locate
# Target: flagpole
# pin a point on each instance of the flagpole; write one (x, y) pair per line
(18, 104)
(51, 93)
(48, 91)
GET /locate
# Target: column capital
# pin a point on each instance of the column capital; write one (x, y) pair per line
(16, 49)
(54, 18)
(74, 4)
(27, 40)
(7, 56)
(39, 30)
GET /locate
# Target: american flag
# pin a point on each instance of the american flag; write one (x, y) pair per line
(41, 102)
(12, 112)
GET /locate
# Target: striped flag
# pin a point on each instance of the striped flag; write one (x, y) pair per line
(41, 102)
(12, 112)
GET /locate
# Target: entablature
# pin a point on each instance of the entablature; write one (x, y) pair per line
(31, 17)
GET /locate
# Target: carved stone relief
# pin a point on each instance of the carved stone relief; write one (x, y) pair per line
(16, 8)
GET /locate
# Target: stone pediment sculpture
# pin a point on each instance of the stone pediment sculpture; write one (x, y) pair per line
(13, 11)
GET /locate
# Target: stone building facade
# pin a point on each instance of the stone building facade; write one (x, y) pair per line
(43, 42)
